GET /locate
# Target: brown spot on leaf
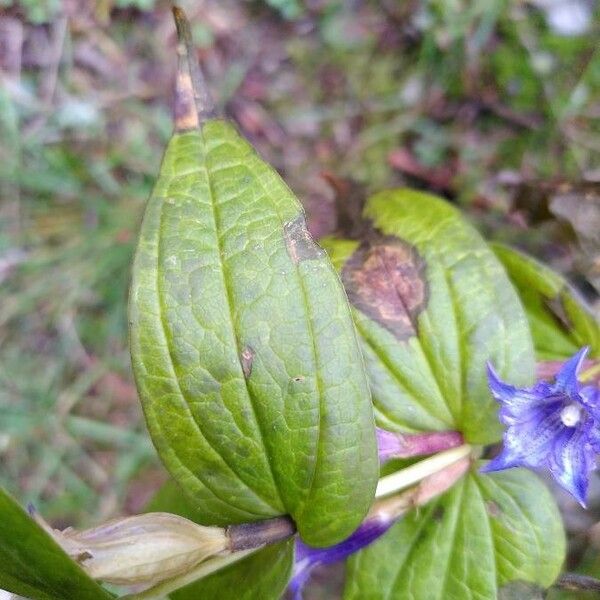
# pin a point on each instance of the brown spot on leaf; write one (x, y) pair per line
(246, 359)
(385, 280)
(493, 509)
(299, 242)
(438, 513)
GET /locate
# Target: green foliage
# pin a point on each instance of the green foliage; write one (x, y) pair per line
(32, 564)
(243, 346)
(483, 534)
(432, 304)
(139, 4)
(36, 11)
(289, 9)
(77, 165)
(560, 320)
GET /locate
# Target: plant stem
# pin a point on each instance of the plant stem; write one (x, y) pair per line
(398, 445)
(260, 533)
(590, 374)
(415, 473)
(576, 582)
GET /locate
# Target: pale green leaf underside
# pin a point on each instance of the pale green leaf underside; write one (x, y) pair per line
(33, 565)
(436, 379)
(484, 533)
(561, 322)
(243, 346)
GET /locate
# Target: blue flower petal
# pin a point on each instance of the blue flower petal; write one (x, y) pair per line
(515, 402)
(534, 439)
(503, 392)
(308, 558)
(589, 396)
(504, 460)
(566, 378)
(594, 437)
(570, 463)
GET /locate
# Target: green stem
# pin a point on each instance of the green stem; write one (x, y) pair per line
(590, 374)
(406, 477)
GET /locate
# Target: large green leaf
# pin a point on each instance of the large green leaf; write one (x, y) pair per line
(432, 304)
(263, 574)
(486, 532)
(561, 322)
(33, 565)
(243, 347)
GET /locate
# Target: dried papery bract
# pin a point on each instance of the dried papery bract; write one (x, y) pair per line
(142, 549)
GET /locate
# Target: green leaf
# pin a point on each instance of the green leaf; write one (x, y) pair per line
(432, 304)
(485, 533)
(560, 320)
(243, 346)
(263, 574)
(33, 565)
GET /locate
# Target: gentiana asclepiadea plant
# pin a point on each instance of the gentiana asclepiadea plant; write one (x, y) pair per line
(314, 406)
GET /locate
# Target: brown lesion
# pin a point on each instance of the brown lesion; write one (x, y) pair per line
(300, 244)
(246, 360)
(385, 279)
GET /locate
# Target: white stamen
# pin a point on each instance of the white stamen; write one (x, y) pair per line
(570, 415)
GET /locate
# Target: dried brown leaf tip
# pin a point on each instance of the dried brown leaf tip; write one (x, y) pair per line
(193, 103)
(385, 280)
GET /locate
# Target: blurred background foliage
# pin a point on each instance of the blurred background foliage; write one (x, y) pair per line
(494, 104)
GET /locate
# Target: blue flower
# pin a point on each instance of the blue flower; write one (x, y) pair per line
(308, 558)
(555, 426)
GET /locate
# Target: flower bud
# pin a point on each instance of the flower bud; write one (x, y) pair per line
(142, 549)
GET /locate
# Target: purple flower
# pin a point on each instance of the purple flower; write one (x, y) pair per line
(308, 558)
(551, 425)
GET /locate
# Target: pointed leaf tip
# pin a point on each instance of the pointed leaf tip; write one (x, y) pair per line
(193, 102)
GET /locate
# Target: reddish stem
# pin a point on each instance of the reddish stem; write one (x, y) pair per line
(398, 445)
